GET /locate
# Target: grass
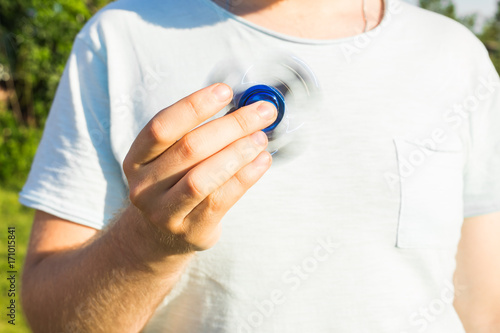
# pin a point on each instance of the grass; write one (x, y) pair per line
(12, 214)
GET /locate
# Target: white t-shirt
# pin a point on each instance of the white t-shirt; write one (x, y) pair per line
(356, 234)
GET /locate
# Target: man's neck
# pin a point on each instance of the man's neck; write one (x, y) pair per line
(313, 19)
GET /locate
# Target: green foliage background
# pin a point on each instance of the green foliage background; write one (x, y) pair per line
(35, 40)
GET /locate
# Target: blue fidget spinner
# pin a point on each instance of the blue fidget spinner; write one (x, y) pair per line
(283, 80)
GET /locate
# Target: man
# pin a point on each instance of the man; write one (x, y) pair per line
(358, 233)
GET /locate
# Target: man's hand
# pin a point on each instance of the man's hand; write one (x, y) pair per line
(181, 184)
(184, 187)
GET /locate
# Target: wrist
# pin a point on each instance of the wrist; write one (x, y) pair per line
(146, 245)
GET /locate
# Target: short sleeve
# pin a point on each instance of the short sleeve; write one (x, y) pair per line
(75, 175)
(482, 174)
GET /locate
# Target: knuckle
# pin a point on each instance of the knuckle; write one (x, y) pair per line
(192, 105)
(138, 193)
(157, 130)
(241, 152)
(134, 195)
(127, 167)
(241, 121)
(242, 179)
(182, 234)
(178, 230)
(189, 146)
(214, 202)
(250, 149)
(193, 186)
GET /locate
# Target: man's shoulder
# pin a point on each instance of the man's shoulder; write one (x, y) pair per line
(124, 17)
(155, 11)
(441, 32)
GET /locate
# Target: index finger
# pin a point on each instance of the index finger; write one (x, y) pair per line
(170, 124)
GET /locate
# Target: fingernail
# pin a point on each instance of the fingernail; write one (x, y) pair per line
(221, 92)
(260, 138)
(266, 110)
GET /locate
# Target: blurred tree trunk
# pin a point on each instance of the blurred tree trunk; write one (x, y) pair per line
(13, 99)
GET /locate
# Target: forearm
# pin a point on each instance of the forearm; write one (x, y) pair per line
(114, 281)
(477, 275)
(477, 304)
(111, 284)
(479, 319)
(486, 326)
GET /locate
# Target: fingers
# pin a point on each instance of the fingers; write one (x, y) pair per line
(202, 223)
(221, 200)
(168, 125)
(171, 178)
(207, 140)
(209, 175)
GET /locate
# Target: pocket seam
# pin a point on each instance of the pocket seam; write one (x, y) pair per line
(438, 242)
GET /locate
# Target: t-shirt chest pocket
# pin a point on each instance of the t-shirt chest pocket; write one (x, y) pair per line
(431, 205)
